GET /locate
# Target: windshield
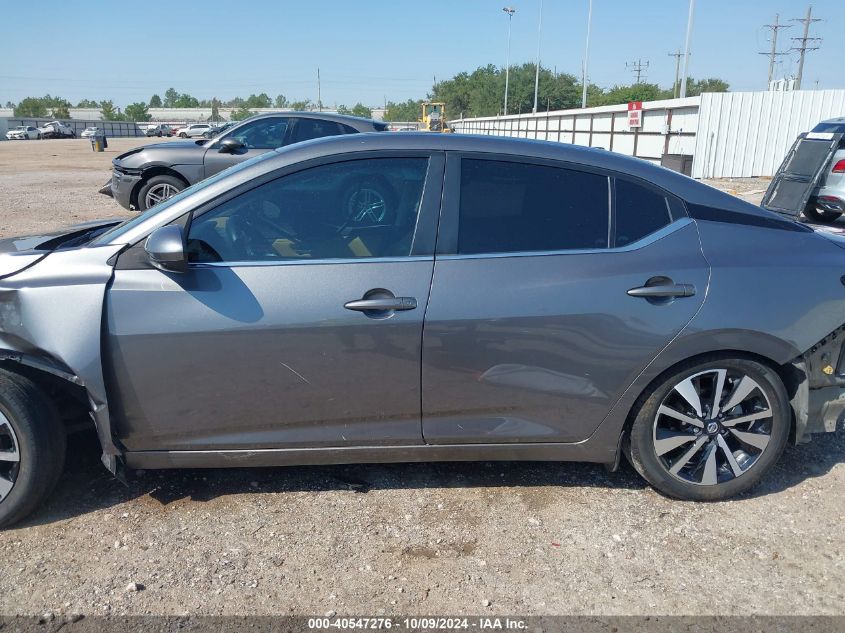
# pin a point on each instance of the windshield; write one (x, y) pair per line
(20, 128)
(122, 228)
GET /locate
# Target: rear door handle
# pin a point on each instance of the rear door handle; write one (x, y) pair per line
(382, 304)
(668, 290)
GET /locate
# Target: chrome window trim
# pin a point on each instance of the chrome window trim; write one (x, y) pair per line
(313, 262)
(651, 238)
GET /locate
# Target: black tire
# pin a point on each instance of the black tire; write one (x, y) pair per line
(812, 212)
(157, 181)
(642, 439)
(41, 443)
(183, 135)
(159, 134)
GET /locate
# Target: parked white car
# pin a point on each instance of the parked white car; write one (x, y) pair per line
(23, 133)
(56, 129)
(194, 130)
(88, 132)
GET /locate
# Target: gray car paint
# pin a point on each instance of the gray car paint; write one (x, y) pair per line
(193, 160)
(774, 291)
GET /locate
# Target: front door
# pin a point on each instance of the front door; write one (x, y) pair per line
(299, 322)
(257, 137)
(556, 286)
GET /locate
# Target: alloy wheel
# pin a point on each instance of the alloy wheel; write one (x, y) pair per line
(712, 427)
(10, 457)
(159, 193)
(367, 205)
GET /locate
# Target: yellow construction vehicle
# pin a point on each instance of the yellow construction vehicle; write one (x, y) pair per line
(434, 117)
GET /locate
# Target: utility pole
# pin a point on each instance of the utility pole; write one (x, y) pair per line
(537, 69)
(319, 91)
(586, 58)
(637, 68)
(510, 11)
(803, 47)
(686, 49)
(773, 54)
(677, 55)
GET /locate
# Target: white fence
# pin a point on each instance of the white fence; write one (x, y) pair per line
(734, 134)
(668, 127)
(743, 134)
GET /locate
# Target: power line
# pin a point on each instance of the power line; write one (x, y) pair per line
(773, 54)
(637, 68)
(803, 47)
(675, 86)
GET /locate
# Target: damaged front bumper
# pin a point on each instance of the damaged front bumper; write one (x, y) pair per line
(818, 392)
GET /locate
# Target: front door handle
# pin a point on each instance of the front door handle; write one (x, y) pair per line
(663, 290)
(382, 304)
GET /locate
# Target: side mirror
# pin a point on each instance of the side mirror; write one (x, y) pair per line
(166, 249)
(230, 145)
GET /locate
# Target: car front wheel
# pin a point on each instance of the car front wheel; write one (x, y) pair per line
(710, 430)
(32, 447)
(158, 189)
(183, 135)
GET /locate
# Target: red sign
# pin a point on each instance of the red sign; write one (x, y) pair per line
(635, 114)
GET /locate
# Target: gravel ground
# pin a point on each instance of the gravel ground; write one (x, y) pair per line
(503, 538)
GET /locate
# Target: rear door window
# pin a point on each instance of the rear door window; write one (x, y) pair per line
(640, 211)
(307, 129)
(509, 207)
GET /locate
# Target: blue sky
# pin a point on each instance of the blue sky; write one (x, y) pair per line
(378, 48)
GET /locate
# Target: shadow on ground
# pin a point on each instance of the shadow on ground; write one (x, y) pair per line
(86, 486)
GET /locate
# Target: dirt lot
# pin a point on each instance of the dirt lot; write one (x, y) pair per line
(505, 538)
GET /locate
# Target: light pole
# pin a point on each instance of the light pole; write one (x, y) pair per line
(586, 57)
(510, 11)
(537, 68)
(686, 49)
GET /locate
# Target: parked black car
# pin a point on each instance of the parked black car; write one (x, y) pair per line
(145, 176)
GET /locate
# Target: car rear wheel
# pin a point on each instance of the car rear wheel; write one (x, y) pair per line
(711, 429)
(813, 212)
(32, 447)
(158, 189)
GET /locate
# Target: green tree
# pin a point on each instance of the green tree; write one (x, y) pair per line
(31, 107)
(241, 113)
(9, 104)
(137, 112)
(407, 111)
(109, 112)
(259, 101)
(87, 103)
(632, 92)
(170, 97)
(186, 101)
(215, 109)
(711, 84)
(59, 108)
(280, 102)
(342, 109)
(155, 101)
(359, 109)
(301, 105)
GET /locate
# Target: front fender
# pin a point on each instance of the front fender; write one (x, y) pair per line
(51, 319)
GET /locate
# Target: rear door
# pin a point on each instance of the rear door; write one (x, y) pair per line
(257, 137)
(554, 286)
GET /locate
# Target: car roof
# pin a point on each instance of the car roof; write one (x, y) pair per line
(840, 119)
(354, 121)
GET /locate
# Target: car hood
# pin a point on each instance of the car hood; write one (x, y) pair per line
(17, 253)
(170, 153)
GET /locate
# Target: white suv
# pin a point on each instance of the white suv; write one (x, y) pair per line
(827, 202)
(194, 130)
